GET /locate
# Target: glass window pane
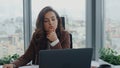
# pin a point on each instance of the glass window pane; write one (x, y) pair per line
(74, 13)
(11, 27)
(112, 24)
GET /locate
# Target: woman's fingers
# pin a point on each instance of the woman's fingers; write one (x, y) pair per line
(52, 36)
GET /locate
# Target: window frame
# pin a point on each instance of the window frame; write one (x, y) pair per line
(94, 26)
(27, 20)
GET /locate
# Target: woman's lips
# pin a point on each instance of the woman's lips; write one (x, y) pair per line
(51, 27)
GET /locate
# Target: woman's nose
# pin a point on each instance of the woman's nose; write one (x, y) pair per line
(50, 23)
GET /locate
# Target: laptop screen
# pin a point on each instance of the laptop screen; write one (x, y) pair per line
(65, 58)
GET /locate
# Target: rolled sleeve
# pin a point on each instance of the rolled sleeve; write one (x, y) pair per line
(54, 42)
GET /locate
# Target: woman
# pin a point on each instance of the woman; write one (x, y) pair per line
(49, 34)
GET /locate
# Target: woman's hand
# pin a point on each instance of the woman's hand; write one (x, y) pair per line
(8, 66)
(51, 35)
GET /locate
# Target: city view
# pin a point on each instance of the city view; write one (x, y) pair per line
(112, 34)
(11, 36)
(12, 31)
(12, 39)
(112, 24)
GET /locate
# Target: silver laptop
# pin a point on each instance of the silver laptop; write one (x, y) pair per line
(65, 58)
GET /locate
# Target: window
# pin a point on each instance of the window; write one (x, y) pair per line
(11, 27)
(112, 24)
(74, 13)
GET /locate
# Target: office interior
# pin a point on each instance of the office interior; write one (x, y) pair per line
(92, 23)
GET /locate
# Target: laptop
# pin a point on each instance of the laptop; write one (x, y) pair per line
(65, 58)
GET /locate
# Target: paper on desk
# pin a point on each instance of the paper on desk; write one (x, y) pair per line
(1, 66)
(95, 63)
(32, 66)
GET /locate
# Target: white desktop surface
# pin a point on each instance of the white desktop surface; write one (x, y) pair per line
(31, 66)
(93, 63)
(1, 66)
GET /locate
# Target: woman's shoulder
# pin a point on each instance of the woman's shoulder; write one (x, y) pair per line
(65, 35)
(38, 34)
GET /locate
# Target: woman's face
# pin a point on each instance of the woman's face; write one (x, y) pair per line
(50, 21)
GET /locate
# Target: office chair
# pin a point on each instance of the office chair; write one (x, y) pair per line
(63, 23)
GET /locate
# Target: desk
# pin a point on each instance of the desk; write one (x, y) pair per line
(32, 66)
(0, 66)
(93, 64)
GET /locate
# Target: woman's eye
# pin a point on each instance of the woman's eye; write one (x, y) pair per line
(45, 21)
(53, 19)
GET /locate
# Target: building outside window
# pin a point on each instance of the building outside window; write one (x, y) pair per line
(11, 27)
(112, 24)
